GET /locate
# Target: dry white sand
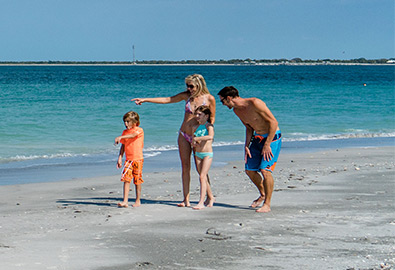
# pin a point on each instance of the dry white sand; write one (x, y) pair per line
(330, 210)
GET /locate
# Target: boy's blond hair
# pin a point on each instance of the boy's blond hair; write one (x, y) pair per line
(132, 116)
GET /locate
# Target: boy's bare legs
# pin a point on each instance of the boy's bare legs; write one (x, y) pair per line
(185, 150)
(203, 167)
(256, 178)
(268, 184)
(137, 203)
(126, 188)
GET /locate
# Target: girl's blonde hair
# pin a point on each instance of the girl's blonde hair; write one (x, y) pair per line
(132, 116)
(198, 81)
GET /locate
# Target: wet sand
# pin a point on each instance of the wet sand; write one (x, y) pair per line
(330, 210)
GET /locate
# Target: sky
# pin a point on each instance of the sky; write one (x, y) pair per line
(106, 30)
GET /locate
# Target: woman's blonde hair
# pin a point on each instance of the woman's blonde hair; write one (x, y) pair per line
(132, 116)
(198, 81)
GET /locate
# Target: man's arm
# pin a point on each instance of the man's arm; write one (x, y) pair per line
(249, 132)
(271, 123)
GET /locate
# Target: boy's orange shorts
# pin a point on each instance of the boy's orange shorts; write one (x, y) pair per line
(133, 170)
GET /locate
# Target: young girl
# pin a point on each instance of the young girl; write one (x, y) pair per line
(202, 144)
(132, 141)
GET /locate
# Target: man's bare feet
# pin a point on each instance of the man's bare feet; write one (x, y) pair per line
(123, 204)
(264, 209)
(183, 204)
(258, 201)
(198, 207)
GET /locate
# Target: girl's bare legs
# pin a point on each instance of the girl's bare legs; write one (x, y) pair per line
(185, 150)
(203, 168)
(210, 197)
(138, 195)
(126, 188)
(207, 202)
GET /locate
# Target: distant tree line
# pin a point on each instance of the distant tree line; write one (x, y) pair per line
(247, 61)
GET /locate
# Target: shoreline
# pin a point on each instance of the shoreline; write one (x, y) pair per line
(206, 64)
(58, 170)
(322, 218)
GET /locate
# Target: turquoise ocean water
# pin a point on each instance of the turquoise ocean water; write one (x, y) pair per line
(59, 122)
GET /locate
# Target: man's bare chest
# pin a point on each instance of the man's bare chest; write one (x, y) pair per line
(247, 116)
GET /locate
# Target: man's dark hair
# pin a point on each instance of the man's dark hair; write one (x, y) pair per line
(228, 91)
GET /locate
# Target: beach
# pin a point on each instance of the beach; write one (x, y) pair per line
(331, 209)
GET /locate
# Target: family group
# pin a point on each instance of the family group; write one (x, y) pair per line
(196, 134)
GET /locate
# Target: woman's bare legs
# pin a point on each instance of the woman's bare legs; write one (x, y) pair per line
(185, 150)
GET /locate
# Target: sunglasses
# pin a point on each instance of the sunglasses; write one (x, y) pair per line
(190, 86)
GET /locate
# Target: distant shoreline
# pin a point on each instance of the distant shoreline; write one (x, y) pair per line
(221, 62)
(207, 64)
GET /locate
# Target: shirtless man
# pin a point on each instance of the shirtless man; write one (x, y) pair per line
(262, 142)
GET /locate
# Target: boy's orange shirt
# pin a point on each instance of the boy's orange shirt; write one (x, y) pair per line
(133, 146)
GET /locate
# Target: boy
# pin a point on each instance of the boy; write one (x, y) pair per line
(132, 141)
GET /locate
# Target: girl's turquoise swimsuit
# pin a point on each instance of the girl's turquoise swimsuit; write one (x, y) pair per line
(200, 132)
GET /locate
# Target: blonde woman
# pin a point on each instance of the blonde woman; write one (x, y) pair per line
(196, 95)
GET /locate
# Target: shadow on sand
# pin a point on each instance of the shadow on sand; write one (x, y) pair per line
(113, 202)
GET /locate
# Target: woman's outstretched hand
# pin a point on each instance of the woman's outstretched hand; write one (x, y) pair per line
(138, 101)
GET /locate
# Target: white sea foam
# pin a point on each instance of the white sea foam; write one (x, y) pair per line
(160, 148)
(317, 137)
(151, 154)
(227, 143)
(20, 158)
(152, 151)
(32, 157)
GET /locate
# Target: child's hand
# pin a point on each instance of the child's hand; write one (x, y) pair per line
(195, 142)
(117, 140)
(119, 163)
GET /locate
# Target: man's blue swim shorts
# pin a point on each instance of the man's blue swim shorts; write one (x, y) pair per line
(257, 162)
